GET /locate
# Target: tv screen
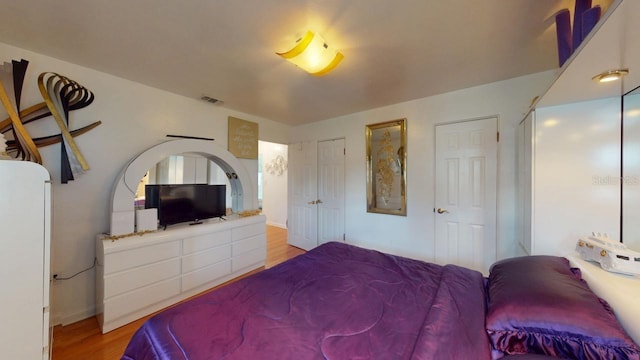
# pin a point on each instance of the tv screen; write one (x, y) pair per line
(179, 203)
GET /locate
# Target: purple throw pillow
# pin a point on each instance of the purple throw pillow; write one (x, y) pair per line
(539, 305)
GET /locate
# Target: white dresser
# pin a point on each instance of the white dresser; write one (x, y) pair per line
(25, 235)
(139, 275)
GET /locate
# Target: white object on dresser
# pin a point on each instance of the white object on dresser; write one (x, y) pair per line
(620, 291)
(139, 275)
(146, 219)
(25, 225)
(612, 255)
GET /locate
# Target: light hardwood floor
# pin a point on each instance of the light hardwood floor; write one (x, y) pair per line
(84, 341)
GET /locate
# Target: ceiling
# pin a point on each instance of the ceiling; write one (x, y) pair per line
(394, 51)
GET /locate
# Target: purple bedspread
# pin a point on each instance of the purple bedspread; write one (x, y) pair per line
(335, 302)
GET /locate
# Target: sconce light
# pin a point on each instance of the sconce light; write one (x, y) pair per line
(313, 55)
(611, 75)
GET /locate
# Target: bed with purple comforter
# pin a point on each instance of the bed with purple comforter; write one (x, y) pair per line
(334, 302)
(339, 301)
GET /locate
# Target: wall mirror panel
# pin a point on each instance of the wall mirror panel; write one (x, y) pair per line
(631, 169)
(185, 168)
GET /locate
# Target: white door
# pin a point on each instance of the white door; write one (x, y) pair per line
(466, 187)
(330, 190)
(316, 193)
(302, 226)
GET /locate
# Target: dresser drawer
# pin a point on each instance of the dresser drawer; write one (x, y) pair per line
(246, 231)
(205, 275)
(206, 241)
(123, 260)
(254, 258)
(128, 280)
(204, 258)
(118, 306)
(252, 243)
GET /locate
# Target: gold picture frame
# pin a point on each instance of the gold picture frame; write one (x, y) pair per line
(387, 167)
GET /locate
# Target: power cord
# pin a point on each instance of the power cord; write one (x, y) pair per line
(58, 278)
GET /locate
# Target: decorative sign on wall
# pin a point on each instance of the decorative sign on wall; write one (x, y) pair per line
(243, 138)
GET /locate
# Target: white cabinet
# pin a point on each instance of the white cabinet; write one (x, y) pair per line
(570, 144)
(139, 275)
(25, 228)
(569, 168)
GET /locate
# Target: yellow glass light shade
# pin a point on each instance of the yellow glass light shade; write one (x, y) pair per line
(313, 55)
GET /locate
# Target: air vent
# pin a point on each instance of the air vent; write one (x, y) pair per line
(210, 99)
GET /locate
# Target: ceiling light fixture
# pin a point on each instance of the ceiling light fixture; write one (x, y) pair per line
(313, 55)
(611, 75)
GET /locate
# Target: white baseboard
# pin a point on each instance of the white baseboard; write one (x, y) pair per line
(282, 226)
(60, 319)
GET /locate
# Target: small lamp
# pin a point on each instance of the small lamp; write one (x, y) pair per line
(611, 75)
(313, 55)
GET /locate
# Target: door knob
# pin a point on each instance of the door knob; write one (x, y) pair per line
(442, 211)
(313, 202)
(318, 201)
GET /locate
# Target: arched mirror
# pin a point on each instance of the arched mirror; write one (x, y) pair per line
(125, 189)
(184, 168)
(631, 169)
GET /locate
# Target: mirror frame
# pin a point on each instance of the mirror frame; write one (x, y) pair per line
(388, 169)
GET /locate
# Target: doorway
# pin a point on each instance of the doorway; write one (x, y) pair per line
(272, 182)
(466, 193)
(316, 193)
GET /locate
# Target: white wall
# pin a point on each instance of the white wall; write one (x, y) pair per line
(134, 117)
(413, 235)
(274, 185)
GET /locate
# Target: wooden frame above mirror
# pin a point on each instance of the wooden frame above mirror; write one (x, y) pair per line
(386, 167)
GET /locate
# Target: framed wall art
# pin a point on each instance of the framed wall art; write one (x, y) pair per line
(386, 167)
(243, 138)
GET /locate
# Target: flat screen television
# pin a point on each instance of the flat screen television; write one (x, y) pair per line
(179, 203)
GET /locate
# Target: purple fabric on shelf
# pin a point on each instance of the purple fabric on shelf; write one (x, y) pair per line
(580, 8)
(563, 33)
(589, 20)
(555, 314)
(335, 302)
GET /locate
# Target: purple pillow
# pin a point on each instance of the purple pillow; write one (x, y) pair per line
(539, 305)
